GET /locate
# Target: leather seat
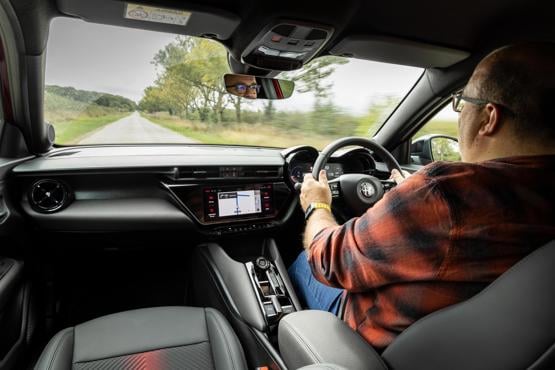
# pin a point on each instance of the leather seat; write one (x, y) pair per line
(160, 338)
(509, 325)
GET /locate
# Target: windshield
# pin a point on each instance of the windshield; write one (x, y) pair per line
(107, 84)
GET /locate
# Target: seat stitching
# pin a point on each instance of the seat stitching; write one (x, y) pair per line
(209, 313)
(298, 338)
(57, 349)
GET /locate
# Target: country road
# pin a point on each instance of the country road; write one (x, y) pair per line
(134, 129)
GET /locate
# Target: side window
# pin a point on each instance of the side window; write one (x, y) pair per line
(437, 139)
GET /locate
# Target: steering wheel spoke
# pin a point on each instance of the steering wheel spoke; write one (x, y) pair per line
(388, 184)
(357, 191)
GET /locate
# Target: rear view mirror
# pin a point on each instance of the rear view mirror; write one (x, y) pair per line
(252, 87)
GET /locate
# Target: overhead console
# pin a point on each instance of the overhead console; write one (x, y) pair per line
(286, 46)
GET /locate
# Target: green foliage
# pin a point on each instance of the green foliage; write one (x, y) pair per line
(70, 132)
(92, 97)
(75, 113)
(153, 101)
(73, 94)
(376, 116)
(191, 80)
(444, 149)
(311, 78)
(190, 89)
(438, 126)
(118, 102)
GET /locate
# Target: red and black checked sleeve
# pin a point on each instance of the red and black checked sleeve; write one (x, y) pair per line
(403, 237)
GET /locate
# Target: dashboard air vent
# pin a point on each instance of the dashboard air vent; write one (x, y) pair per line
(254, 172)
(198, 172)
(49, 196)
(261, 171)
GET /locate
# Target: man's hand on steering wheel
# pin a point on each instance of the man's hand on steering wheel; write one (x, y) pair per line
(314, 190)
(397, 177)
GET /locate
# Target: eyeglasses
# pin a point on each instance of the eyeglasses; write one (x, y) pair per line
(242, 88)
(459, 99)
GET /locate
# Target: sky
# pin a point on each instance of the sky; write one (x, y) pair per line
(117, 60)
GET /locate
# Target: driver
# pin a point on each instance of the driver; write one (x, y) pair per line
(244, 86)
(450, 229)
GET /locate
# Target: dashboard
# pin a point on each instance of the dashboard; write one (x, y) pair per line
(213, 190)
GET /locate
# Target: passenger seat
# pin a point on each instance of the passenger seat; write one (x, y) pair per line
(161, 338)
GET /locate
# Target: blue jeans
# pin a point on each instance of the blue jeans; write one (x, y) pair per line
(315, 295)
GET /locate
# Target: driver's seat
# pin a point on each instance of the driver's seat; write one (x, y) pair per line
(509, 325)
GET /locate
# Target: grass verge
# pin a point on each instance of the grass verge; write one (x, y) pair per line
(256, 134)
(72, 131)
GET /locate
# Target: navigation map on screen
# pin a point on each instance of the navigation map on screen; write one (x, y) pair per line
(236, 203)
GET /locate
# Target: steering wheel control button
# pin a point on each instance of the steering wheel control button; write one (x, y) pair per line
(334, 188)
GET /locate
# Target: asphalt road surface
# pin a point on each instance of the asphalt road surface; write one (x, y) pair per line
(134, 129)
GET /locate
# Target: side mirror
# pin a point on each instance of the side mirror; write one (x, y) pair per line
(430, 148)
(253, 87)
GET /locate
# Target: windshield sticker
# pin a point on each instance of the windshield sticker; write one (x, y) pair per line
(157, 15)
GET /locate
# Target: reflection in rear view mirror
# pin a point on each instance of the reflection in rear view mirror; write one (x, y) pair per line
(252, 87)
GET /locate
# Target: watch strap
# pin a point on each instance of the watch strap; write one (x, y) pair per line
(314, 206)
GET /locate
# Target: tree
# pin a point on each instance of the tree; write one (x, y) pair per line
(191, 77)
(311, 78)
(152, 101)
(174, 53)
(269, 110)
(115, 101)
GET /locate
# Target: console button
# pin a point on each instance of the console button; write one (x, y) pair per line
(288, 309)
(270, 310)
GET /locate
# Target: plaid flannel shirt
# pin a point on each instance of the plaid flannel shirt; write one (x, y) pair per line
(435, 240)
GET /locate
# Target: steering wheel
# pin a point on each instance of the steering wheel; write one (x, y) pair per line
(359, 191)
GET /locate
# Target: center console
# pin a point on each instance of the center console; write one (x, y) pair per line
(270, 290)
(233, 208)
(248, 282)
(238, 202)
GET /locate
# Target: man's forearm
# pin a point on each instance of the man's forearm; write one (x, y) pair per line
(319, 220)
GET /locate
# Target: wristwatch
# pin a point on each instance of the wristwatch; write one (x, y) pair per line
(314, 206)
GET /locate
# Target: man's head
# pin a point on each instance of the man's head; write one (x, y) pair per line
(510, 109)
(242, 85)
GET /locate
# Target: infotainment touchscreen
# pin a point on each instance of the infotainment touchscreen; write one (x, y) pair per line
(245, 201)
(237, 203)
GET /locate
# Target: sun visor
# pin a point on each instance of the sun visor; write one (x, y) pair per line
(184, 20)
(398, 51)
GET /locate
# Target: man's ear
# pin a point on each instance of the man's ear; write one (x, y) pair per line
(491, 120)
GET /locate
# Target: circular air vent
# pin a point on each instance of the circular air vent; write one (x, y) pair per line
(49, 196)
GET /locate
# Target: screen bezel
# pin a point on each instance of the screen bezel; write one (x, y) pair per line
(266, 212)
